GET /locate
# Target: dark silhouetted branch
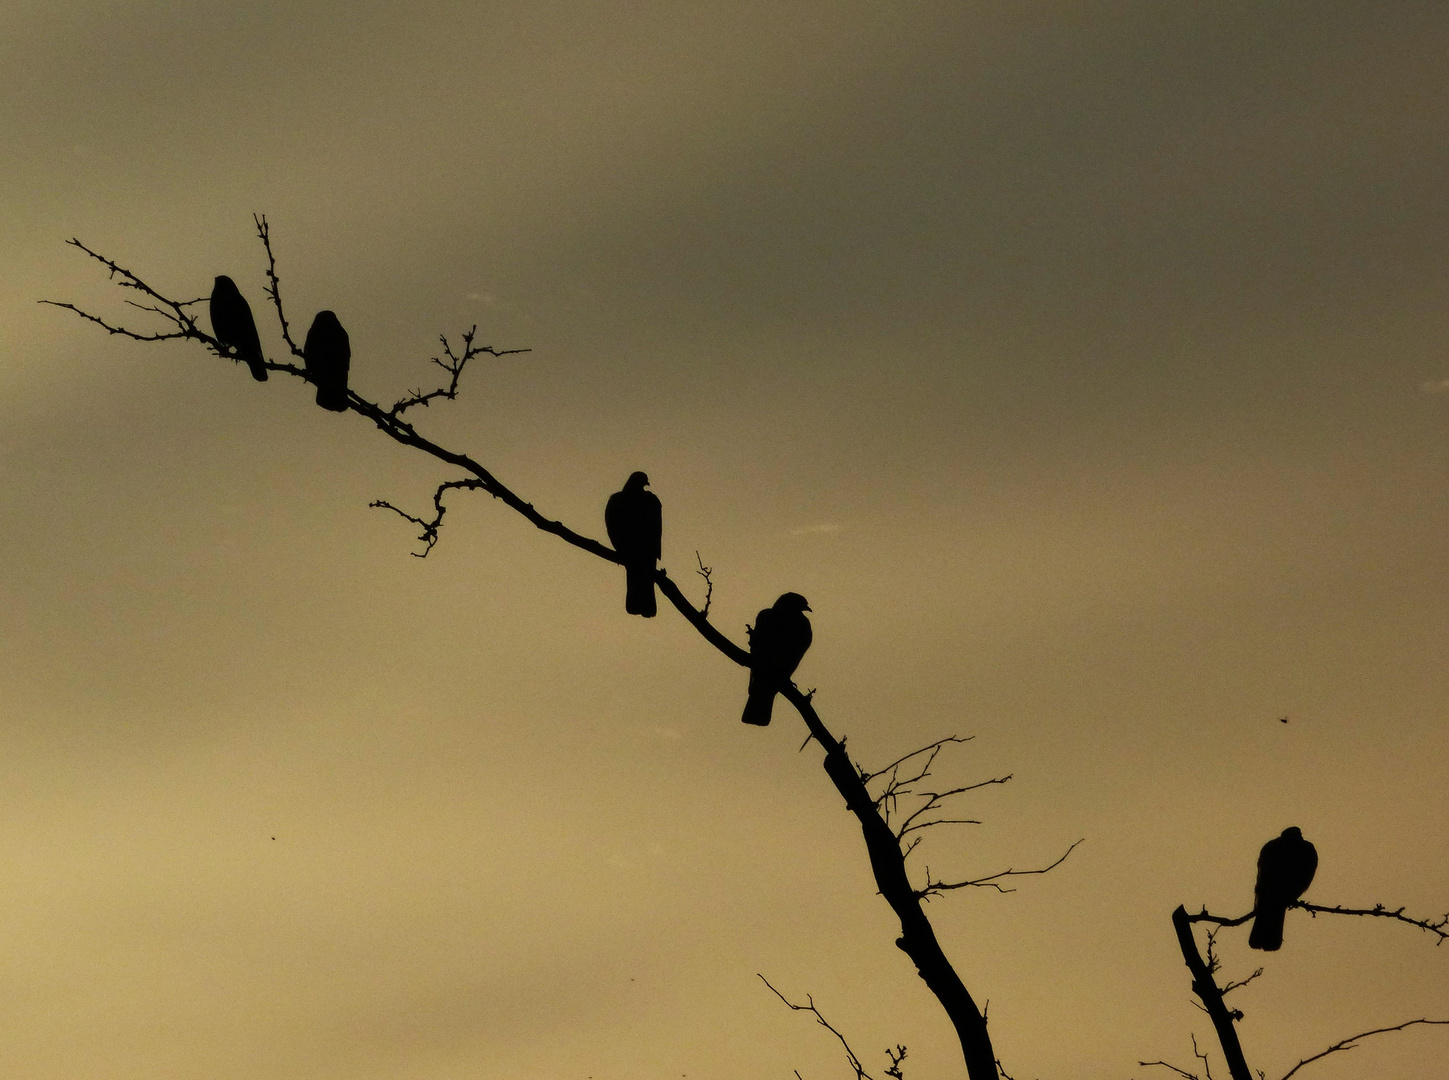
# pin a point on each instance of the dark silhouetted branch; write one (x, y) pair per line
(1438, 927)
(429, 535)
(1352, 1040)
(896, 1054)
(917, 939)
(1205, 916)
(1211, 996)
(274, 286)
(1214, 965)
(705, 572)
(991, 881)
(1207, 1069)
(453, 365)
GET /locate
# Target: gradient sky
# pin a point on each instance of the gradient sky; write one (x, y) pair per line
(1083, 363)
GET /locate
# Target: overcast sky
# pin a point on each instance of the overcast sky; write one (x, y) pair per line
(1084, 364)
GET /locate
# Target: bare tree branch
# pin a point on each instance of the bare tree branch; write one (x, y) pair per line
(896, 1054)
(1214, 965)
(705, 572)
(990, 881)
(1207, 1070)
(1211, 996)
(429, 535)
(1438, 927)
(1352, 1040)
(453, 365)
(918, 939)
(274, 286)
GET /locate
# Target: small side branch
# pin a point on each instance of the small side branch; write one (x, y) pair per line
(1438, 927)
(1207, 1069)
(1206, 916)
(173, 311)
(990, 881)
(1352, 1041)
(705, 572)
(453, 363)
(429, 536)
(274, 286)
(902, 778)
(896, 1054)
(1214, 965)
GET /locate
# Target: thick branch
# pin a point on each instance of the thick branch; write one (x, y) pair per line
(1211, 996)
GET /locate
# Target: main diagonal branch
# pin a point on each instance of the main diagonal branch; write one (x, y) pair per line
(917, 938)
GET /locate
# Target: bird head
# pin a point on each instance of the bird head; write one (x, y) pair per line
(1293, 832)
(224, 283)
(792, 601)
(637, 481)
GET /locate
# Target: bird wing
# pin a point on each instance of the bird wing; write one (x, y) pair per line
(652, 523)
(634, 522)
(615, 514)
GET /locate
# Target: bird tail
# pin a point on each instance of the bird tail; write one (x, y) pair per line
(760, 704)
(259, 369)
(639, 591)
(332, 397)
(1268, 929)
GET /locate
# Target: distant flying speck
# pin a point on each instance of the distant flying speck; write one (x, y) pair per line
(1282, 719)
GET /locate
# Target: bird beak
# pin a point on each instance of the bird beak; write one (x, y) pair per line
(809, 608)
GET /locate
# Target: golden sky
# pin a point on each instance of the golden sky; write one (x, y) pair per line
(1082, 363)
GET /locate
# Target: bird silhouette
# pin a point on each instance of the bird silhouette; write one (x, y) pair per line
(634, 521)
(1286, 866)
(777, 644)
(234, 327)
(327, 354)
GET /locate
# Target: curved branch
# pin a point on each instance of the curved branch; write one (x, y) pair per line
(1349, 1043)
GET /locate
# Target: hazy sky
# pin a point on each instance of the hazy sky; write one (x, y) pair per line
(1082, 363)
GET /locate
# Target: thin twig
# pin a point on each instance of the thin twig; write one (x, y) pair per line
(896, 1054)
(274, 286)
(1348, 1044)
(990, 881)
(705, 572)
(429, 535)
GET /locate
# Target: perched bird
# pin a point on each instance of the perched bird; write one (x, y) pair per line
(326, 354)
(233, 325)
(1285, 870)
(635, 523)
(777, 643)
